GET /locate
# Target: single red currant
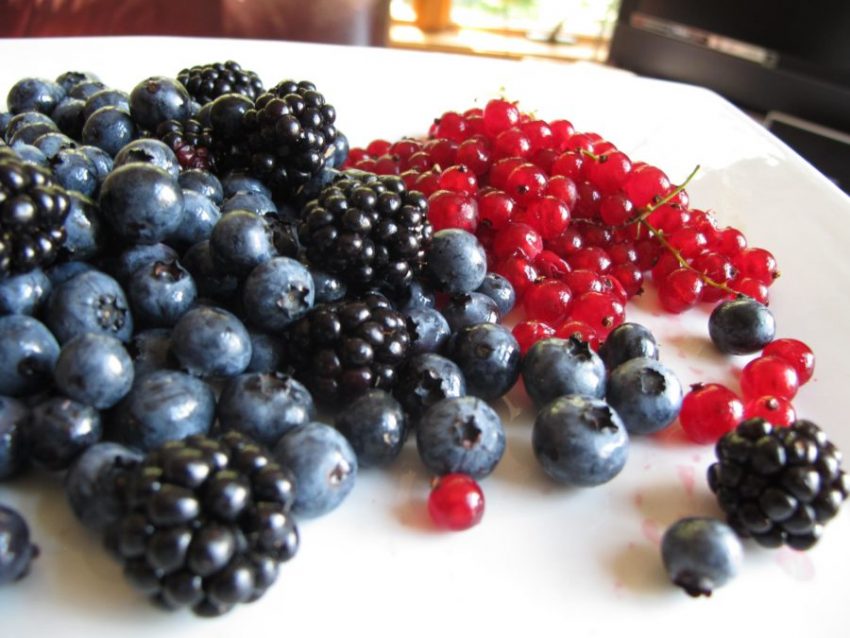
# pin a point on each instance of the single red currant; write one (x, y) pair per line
(562, 131)
(549, 215)
(709, 411)
(526, 183)
(452, 126)
(563, 188)
(527, 333)
(548, 264)
(458, 178)
(566, 243)
(569, 165)
(456, 502)
(578, 330)
(645, 185)
(476, 154)
(591, 258)
(500, 115)
(511, 143)
(447, 209)
(495, 208)
(795, 352)
(769, 375)
(443, 152)
(376, 148)
(680, 290)
(500, 170)
(519, 271)
(601, 311)
(609, 171)
(547, 300)
(615, 209)
(758, 264)
(582, 281)
(517, 239)
(775, 410)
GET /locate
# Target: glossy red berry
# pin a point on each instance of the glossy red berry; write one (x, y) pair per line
(581, 281)
(680, 290)
(730, 241)
(757, 263)
(609, 171)
(549, 215)
(517, 239)
(495, 208)
(562, 131)
(452, 126)
(566, 243)
(751, 288)
(443, 152)
(645, 185)
(616, 209)
(578, 330)
(379, 147)
(629, 276)
(774, 410)
(539, 133)
(769, 375)
(601, 311)
(448, 209)
(564, 189)
(526, 183)
(456, 502)
(500, 115)
(458, 178)
(547, 300)
(500, 170)
(795, 352)
(569, 165)
(709, 411)
(527, 333)
(476, 154)
(511, 143)
(591, 258)
(548, 264)
(519, 271)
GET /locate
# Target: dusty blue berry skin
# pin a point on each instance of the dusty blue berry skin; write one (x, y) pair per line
(69, 79)
(415, 297)
(646, 394)
(29, 133)
(16, 550)
(162, 406)
(742, 326)
(106, 97)
(701, 554)
(554, 367)
(499, 290)
(277, 292)
(469, 309)
(149, 151)
(202, 182)
(241, 241)
(268, 352)
(580, 441)
(90, 302)
(68, 116)
(24, 294)
(264, 406)
(375, 426)
(110, 129)
(101, 159)
(456, 262)
(92, 483)
(60, 430)
(60, 273)
(158, 99)
(233, 183)
(209, 280)
(28, 353)
(160, 293)
(135, 257)
(95, 370)
(461, 434)
(200, 216)
(324, 466)
(211, 342)
(74, 171)
(5, 118)
(489, 357)
(252, 201)
(31, 154)
(84, 232)
(425, 380)
(20, 120)
(51, 143)
(150, 350)
(14, 445)
(85, 89)
(34, 94)
(429, 330)
(628, 341)
(142, 203)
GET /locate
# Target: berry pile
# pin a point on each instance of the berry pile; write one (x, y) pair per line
(187, 270)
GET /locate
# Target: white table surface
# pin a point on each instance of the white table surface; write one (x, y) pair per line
(546, 560)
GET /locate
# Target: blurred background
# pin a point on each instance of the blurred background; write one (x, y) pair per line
(786, 62)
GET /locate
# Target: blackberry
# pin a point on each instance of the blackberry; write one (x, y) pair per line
(33, 208)
(342, 350)
(207, 523)
(367, 229)
(780, 485)
(208, 81)
(291, 135)
(190, 141)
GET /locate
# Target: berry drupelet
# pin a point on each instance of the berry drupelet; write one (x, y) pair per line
(205, 82)
(207, 523)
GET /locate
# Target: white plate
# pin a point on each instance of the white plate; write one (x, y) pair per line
(545, 558)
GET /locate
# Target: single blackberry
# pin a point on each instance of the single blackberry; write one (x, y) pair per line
(368, 230)
(33, 208)
(207, 523)
(291, 135)
(779, 485)
(208, 81)
(342, 350)
(190, 141)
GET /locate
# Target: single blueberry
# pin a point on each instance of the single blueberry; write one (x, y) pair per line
(30, 154)
(60, 273)
(16, 550)
(93, 484)
(161, 292)
(277, 292)
(741, 326)
(85, 89)
(101, 159)
(28, 353)
(499, 290)
(701, 554)
(429, 330)
(106, 97)
(24, 294)
(74, 171)
(84, 232)
(14, 445)
(264, 406)
(200, 216)
(457, 261)
(51, 143)
(60, 430)
(19, 121)
(158, 99)
(580, 440)
(469, 309)
(135, 257)
(90, 302)
(646, 394)
(268, 353)
(202, 182)
(460, 434)
(426, 379)
(628, 341)
(149, 151)
(94, 369)
(415, 296)
(324, 466)
(69, 79)
(209, 280)
(375, 426)
(489, 357)
(150, 350)
(211, 342)
(240, 241)
(233, 183)
(69, 117)
(34, 94)
(29, 133)
(554, 367)
(164, 405)
(253, 201)
(110, 129)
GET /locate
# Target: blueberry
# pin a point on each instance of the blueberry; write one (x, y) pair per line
(457, 261)
(499, 290)
(106, 97)
(69, 117)
(69, 79)
(646, 394)
(253, 201)
(101, 160)
(264, 406)
(460, 434)
(34, 94)
(84, 232)
(94, 369)
(267, 352)
(277, 292)
(90, 302)
(24, 294)
(701, 554)
(328, 287)
(202, 182)
(741, 326)
(209, 280)
(628, 341)
(469, 309)
(233, 183)
(580, 440)
(425, 380)
(415, 296)
(94, 481)
(85, 89)
(28, 353)
(160, 293)
(60, 273)
(211, 342)
(158, 99)
(324, 466)
(340, 151)
(489, 357)
(240, 241)
(150, 350)
(16, 550)
(554, 367)
(29, 133)
(21, 120)
(164, 405)
(110, 129)
(14, 445)
(5, 118)
(74, 171)
(200, 216)
(60, 430)
(142, 203)
(429, 330)
(31, 154)
(375, 426)
(139, 256)
(51, 143)
(149, 151)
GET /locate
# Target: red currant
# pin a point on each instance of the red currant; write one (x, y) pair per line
(500, 115)
(609, 172)
(495, 208)
(569, 165)
(476, 154)
(591, 258)
(443, 152)
(456, 502)
(458, 178)
(517, 239)
(578, 330)
(562, 131)
(680, 290)
(526, 183)
(447, 209)
(549, 215)
(451, 126)
(548, 264)
(774, 410)
(564, 189)
(709, 411)
(601, 311)
(616, 209)
(769, 375)
(646, 184)
(376, 148)
(527, 333)
(795, 352)
(500, 170)
(511, 143)
(547, 300)
(582, 281)
(758, 264)
(519, 271)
